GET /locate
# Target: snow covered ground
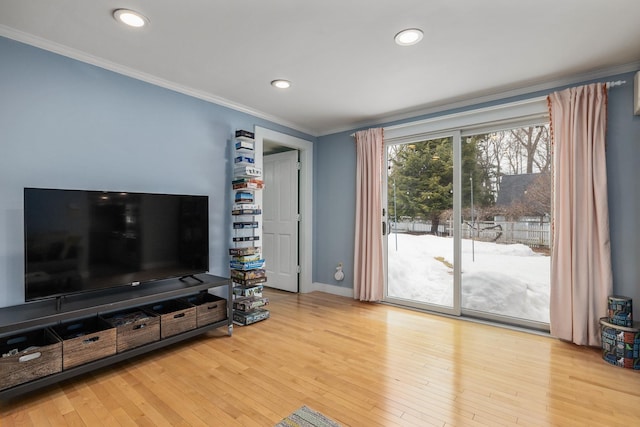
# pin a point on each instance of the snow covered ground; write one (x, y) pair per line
(511, 280)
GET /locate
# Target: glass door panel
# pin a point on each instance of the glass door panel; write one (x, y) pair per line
(420, 214)
(505, 227)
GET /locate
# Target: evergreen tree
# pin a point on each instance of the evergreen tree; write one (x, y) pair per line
(472, 168)
(423, 176)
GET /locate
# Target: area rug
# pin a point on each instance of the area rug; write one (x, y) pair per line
(306, 417)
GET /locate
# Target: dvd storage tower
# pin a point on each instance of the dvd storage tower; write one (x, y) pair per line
(247, 265)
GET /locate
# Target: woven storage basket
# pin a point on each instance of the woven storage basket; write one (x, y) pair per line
(209, 308)
(29, 356)
(176, 317)
(85, 340)
(134, 328)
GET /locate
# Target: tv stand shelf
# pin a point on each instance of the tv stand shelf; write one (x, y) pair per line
(42, 314)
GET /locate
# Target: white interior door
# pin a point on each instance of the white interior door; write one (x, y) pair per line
(280, 220)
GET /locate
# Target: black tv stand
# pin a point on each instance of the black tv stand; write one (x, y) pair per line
(41, 314)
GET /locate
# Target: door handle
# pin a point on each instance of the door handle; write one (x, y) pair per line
(384, 228)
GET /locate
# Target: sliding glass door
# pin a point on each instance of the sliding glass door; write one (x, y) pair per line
(506, 225)
(421, 211)
(468, 224)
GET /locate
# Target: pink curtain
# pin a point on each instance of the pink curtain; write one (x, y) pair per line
(368, 282)
(581, 277)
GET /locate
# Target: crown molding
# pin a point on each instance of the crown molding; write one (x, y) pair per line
(78, 55)
(525, 90)
(381, 120)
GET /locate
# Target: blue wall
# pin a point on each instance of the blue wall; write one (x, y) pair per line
(334, 208)
(623, 174)
(66, 124)
(335, 193)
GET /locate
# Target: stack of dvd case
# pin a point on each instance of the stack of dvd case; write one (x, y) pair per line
(246, 262)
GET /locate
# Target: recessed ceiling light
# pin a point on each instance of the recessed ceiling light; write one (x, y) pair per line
(130, 17)
(408, 37)
(281, 84)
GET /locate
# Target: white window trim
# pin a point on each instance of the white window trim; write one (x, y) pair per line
(509, 115)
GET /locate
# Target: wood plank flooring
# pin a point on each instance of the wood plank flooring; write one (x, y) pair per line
(360, 364)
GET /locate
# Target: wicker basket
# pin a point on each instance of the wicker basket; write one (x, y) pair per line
(134, 328)
(176, 317)
(85, 340)
(29, 356)
(209, 308)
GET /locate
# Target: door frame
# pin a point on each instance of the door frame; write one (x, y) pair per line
(455, 309)
(305, 198)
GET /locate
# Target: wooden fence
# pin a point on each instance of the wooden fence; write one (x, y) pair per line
(533, 234)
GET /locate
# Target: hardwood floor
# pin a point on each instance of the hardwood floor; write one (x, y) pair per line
(360, 364)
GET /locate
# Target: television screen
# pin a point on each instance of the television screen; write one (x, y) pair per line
(77, 241)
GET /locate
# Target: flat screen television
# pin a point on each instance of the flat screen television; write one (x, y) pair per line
(79, 241)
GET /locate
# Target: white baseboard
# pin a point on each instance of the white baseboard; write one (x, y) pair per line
(330, 289)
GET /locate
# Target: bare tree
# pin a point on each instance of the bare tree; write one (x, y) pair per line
(491, 157)
(534, 144)
(513, 155)
(514, 152)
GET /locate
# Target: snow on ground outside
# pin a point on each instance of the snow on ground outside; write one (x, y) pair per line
(511, 280)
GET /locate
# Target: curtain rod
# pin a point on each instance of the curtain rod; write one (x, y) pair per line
(609, 85)
(615, 83)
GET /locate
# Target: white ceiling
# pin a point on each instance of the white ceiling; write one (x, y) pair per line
(339, 54)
